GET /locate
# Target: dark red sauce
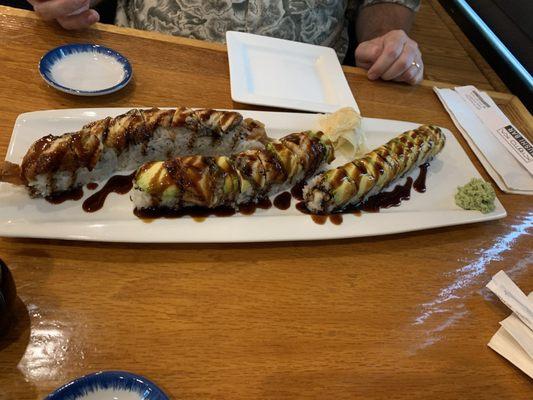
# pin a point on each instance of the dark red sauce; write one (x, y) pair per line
(300, 206)
(336, 219)
(199, 214)
(74, 194)
(283, 201)
(297, 191)
(249, 208)
(319, 218)
(120, 184)
(388, 199)
(264, 203)
(420, 182)
(92, 185)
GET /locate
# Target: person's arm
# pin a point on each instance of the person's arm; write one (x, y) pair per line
(61, 10)
(379, 19)
(385, 49)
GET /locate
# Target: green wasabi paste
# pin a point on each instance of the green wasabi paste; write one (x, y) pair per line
(476, 195)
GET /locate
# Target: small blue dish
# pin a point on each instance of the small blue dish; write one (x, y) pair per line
(85, 69)
(107, 385)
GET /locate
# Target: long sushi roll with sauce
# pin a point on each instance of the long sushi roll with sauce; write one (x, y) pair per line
(355, 181)
(55, 164)
(249, 176)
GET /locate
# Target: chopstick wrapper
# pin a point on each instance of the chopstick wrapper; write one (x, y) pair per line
(521, 333)
(514, 340)
(502, 149)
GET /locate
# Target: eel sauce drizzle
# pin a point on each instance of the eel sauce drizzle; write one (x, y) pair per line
(374, 203)
(199, 214)
(283, 201)
(74, 194)
(420, 182)
(120, 184)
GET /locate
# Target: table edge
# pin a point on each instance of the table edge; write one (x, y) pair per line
(123, 31)
(6, 10)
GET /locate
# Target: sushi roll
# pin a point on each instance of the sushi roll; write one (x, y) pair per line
(55, 164)
(352, 183)
(249, 176)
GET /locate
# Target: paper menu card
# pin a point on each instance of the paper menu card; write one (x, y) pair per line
(502, 149)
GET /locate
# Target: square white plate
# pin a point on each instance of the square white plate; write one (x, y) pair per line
(21, 216)
(282, 73)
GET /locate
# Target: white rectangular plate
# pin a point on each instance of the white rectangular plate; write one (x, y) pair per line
(21, 216)
(282, 73)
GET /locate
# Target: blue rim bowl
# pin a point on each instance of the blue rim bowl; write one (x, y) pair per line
(108, 380)
(53, 56)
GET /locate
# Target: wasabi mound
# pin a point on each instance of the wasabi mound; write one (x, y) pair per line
(476, 195)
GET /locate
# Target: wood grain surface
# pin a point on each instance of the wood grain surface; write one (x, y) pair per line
(448, 55)
(459, 61)
(394, 317)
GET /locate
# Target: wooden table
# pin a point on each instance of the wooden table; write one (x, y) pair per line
(447, 53)
(403, 316)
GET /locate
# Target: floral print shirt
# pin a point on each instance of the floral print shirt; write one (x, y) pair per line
(321, 22)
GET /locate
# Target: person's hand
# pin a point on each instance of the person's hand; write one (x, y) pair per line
(62, 11)
(393, 56)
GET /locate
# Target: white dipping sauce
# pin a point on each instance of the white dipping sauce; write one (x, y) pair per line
(88, 71)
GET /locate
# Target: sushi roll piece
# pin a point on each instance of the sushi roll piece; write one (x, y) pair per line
(54, 164)
(352, 183)
(222, 181)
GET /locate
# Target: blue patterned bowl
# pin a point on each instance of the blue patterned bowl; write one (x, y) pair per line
(109, 385)
(85, 69)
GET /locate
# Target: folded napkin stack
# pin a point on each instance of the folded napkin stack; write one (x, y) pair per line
(502, 149)
(514, 340)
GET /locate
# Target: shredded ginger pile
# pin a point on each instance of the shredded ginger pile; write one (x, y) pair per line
(343, 128)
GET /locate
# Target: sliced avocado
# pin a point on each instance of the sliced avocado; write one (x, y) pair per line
(231, 183)
(245, 185)
(231, 180)
(146, 173)
(351, 170)
(170, 193)
(344, 192)
(224, 163)
(341, 186)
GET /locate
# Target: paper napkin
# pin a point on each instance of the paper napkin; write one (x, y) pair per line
(502, 149)
(514, 340)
